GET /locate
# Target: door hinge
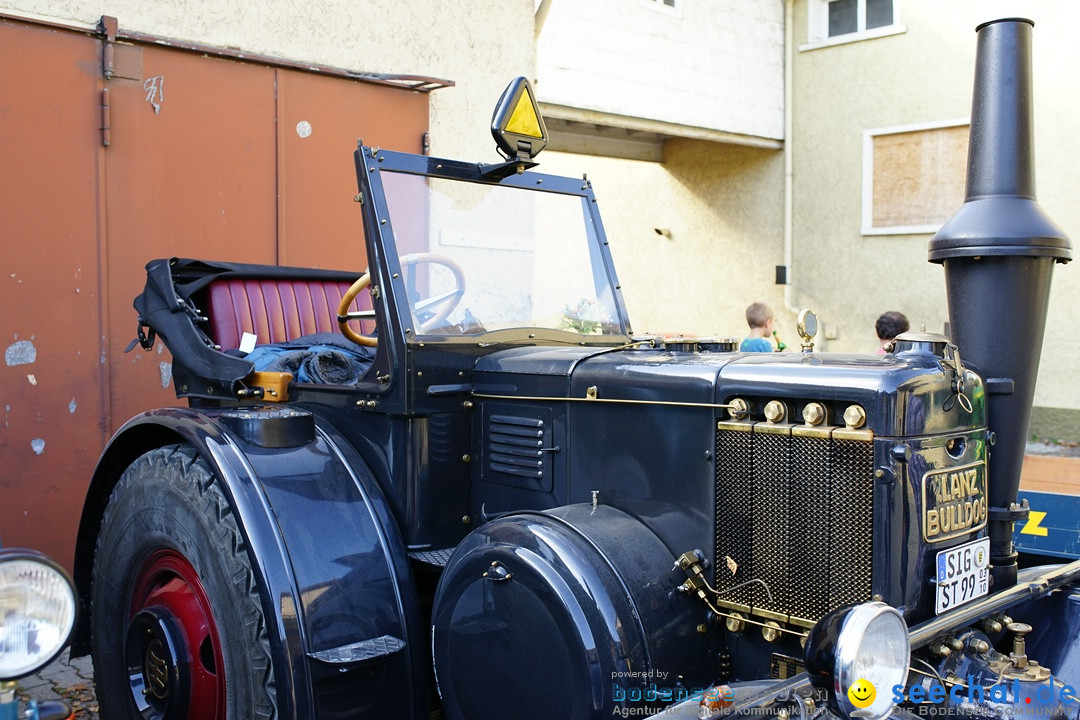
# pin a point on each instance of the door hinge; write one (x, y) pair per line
(108, 26)
(106, 119)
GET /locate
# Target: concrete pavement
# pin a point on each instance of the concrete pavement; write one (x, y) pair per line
(64, 679)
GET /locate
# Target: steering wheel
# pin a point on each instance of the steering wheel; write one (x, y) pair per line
(344, 316)
(440, 305)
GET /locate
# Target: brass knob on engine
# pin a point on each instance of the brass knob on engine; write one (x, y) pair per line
(1019, 653)
(775, 411)
(854, 417)
(771, 631)
(813, 413)
(738, 409)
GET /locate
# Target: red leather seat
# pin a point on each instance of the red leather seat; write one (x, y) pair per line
(277, 310)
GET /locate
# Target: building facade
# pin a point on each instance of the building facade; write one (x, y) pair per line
(879, 119)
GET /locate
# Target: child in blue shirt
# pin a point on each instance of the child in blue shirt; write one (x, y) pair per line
(760, 318)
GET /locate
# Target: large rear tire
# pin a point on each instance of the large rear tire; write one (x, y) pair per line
(178, 631)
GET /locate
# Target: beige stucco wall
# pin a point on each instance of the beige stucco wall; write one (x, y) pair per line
(712, 66)
(922, 75)
(476, 43)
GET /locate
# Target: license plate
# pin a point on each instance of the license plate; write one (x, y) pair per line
(963, 574)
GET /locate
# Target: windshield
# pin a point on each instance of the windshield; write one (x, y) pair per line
(477, 258)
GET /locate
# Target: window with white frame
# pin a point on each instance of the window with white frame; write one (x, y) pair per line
(836, 21)
(913, 176)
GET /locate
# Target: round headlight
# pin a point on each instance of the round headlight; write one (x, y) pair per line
(860, 653)
(37, 612)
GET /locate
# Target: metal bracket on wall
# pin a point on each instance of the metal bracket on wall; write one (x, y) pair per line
(119, 61)
(108, 27)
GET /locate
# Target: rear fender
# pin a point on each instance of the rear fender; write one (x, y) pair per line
(337, 591)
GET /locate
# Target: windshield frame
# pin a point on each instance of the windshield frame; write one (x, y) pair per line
(383, 256)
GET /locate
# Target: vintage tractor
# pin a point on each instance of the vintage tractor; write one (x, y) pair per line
(486, 497)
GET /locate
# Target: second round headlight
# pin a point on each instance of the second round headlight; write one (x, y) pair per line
(860, 653)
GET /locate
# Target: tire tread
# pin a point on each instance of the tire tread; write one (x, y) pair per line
(182, 467)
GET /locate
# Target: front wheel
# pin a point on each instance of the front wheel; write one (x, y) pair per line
(178, 629)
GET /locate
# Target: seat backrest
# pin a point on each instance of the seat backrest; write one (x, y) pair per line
(277, 310)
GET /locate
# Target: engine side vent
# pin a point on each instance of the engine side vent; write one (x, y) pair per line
(518, 451)
(794, 509)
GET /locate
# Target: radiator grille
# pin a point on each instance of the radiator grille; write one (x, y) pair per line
(795, 511)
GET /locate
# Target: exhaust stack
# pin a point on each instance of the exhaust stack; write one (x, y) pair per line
(998, 253)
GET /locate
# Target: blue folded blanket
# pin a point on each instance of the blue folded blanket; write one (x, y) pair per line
(318, 358)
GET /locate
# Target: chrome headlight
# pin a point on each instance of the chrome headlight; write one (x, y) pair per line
(37, 612)
(860, 653)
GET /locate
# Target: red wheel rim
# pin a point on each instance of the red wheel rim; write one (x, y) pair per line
(174, 651)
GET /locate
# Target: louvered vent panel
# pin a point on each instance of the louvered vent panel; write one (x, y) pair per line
(517, 445)
(518, 450)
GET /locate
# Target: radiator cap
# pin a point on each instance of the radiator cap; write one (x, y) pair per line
(921, 343)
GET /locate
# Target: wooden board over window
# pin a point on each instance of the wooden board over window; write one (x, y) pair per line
(914, 178)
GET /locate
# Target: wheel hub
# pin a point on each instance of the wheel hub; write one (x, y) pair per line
(172, 649)
(156, 669)
(159, 677)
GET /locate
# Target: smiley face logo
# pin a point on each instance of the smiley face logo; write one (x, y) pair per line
(862, 693)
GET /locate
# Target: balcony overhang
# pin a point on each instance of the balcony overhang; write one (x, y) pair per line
(592, 132)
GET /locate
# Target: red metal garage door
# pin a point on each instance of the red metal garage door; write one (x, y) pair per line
(206, 157)
(52, 389)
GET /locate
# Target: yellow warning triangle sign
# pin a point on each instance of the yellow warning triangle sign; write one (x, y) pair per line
(523, 120)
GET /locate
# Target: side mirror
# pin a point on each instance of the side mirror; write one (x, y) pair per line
(808, 328)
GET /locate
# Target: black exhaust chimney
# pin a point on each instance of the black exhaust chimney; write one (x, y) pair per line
(999, 251)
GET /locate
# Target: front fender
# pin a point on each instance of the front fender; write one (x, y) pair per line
(332, 570)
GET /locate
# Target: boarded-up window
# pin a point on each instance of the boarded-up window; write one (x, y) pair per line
(913, 177)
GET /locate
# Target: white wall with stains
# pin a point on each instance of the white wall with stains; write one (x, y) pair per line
(717, 65)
